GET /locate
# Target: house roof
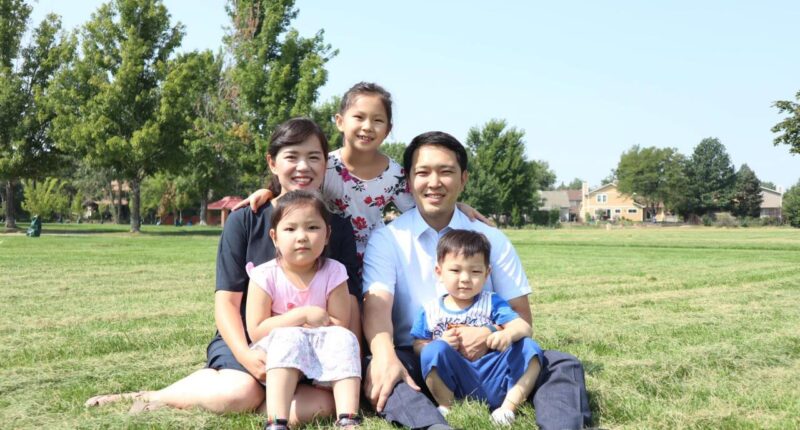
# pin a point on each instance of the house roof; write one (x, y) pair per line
(602, 187)
(554, 199)
(574, 194)
(770, 190)
(227, 202)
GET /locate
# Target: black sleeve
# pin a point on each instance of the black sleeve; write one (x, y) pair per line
(342, 248)
(232, 253)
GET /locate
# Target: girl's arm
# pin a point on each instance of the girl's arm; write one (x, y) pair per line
(255, 200)
(339, 306)
(473, 214)
(260, 321)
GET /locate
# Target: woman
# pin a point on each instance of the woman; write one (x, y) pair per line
(233, 376)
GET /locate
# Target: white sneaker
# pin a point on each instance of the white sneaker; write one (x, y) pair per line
(444, 410)
(503, 417)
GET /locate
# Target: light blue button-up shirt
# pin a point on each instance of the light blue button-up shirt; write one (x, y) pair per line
(401, 257)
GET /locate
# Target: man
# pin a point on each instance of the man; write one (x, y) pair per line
(399, 277)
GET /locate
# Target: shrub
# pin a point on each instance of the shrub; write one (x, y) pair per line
(725, 219)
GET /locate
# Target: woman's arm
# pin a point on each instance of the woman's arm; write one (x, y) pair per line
(229, 324)
(339, 306)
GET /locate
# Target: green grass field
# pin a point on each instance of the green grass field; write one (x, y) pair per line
(677, 327)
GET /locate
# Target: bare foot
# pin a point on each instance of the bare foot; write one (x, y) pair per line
(140, 406)
(113, 398)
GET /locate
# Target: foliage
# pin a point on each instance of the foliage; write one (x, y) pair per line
(790, 126)
(45, 198)
(110, 102)
(394, 150)
(324, 115)
(747, 195)
(26, 73)
(791, 205)
(711, 177)
(654, 176)
(501, 179)
(768, 184)
(576, 184)
(276, 71)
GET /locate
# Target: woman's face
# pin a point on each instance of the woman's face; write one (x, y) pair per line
(299, 167)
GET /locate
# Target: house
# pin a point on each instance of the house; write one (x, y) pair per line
(771, 202)
(607, 203)
(575, 198)
(224, 205)
(558, 199)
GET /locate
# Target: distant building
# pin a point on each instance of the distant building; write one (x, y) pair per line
(607, 203)
(771, 203)
(558, 199)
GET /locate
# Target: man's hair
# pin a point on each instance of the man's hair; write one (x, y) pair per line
(438, 138)
(463, 242)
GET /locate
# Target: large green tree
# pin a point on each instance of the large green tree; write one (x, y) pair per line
(653, 176)
(747, 196)
(789, 128)
(791, 205)
(110, 107)
(26, 145)
(324, 114)
(276, 71)
(502, 181)
(711, 177)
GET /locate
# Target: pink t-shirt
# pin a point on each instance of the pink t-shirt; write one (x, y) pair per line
(286, 296)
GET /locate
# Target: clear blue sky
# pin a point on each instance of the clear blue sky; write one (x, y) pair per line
(584, 80)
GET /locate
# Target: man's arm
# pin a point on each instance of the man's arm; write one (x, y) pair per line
(522, 307)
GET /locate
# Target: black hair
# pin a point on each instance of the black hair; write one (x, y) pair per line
(463, 242)
(438, 138)
(293, 132)
(367, 88)
(300, 198)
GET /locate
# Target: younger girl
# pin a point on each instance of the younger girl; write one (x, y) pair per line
(298, 310)
(360, 181)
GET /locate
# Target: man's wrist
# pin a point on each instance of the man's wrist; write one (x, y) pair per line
(492, 328)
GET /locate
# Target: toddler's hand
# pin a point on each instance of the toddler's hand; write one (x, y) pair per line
(452, 338)
(499, 341)
(317, 317)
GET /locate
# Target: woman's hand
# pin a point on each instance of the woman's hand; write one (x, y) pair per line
(256, 200)
(255, 361)
(472, 214)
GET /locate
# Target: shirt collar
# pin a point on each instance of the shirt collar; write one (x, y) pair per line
(419, 226)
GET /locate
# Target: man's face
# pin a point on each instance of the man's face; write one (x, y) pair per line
(436, 182)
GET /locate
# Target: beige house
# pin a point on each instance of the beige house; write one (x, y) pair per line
(772, 201)
(607, 203)
(556, 200)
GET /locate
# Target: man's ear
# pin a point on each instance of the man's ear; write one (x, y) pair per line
(464, 177)
(272, 235)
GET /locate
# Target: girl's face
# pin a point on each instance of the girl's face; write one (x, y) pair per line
(300, 235)
(299, 167)
(364, 124)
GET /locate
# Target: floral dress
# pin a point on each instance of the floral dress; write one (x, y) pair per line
(364, 200)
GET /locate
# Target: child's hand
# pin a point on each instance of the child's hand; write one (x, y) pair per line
(316, 316)
(473, 214)
(452, 338)
(499, 340)
(256, 200)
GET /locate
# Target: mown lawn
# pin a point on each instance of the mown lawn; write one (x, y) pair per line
(677, 327)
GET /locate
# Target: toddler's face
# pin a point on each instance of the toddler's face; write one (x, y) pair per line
(300, 235)
(463, 277)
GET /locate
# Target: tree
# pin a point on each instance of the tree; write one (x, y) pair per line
(394, 150)
(501, 179)
(544, 177)
(791, 205)
(768, 184)
(110, 106)
(576, 184)
(276, 71)
(747, 197)
(790, 126)
(45, 198)
(711, 177)
(26, 146)
(652, 176)
(324, 114)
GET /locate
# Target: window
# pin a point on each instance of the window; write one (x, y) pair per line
(631, 211)
(602, 198)
(616, 211)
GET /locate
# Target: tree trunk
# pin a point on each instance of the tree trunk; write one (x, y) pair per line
(10, 221)
(204, 208)
(116, 201)
(133, 201)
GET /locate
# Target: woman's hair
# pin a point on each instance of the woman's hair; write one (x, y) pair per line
(293, 132)
(293, 200)
(367, 88)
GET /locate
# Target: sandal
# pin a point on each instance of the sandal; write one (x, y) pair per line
(276, 425)
(349, 420)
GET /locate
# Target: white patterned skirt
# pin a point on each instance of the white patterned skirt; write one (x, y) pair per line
(324, 354)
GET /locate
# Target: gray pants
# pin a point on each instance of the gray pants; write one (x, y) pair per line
(559, 398)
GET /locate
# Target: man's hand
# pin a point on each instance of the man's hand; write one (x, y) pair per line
(316, 316)
(255, 361)
(499, 340)
(381, 377)
(473, 342)
(452, 338)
